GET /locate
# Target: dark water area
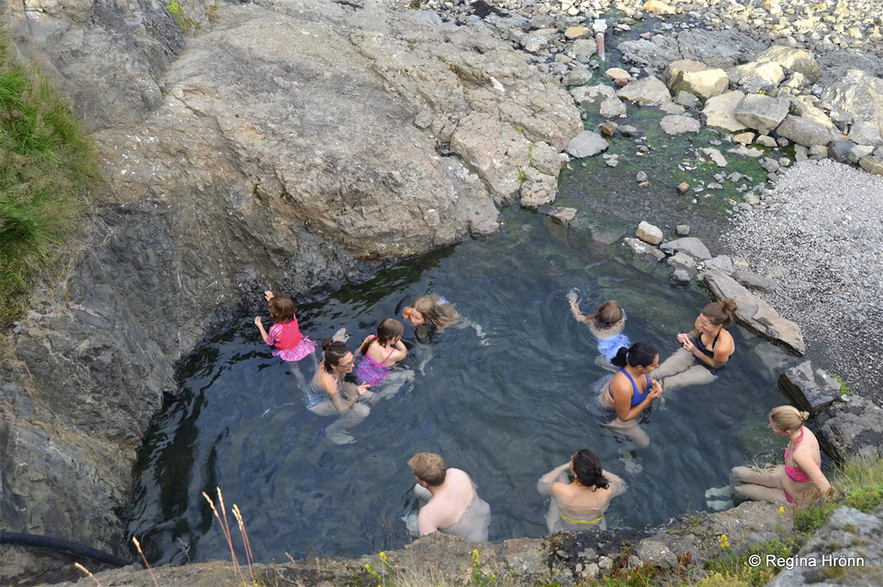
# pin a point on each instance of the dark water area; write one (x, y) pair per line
(506, 408)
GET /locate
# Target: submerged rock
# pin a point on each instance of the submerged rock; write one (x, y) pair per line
(674, 124)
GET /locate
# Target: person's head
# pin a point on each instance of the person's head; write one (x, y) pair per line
(786, 419)
(431, 309)
(587, 468)
(337, 355)
(640, 355)
(429, 468)
(608, 314)
(389, 331)
(282, 309)
(718, 314)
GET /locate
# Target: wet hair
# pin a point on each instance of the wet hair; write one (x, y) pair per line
(335, 351)
(588, 469)
(788, 417)
(434, 310)
(429, 467)
(608, 314)
(282, 309)
(640, 354)
(389, 329)
(722, 312)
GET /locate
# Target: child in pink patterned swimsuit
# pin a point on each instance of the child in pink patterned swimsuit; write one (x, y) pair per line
(285, 335)
(382, 351)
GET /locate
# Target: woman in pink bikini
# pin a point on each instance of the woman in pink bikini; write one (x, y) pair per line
(803, 461)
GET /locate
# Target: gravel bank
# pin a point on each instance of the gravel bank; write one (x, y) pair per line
(820, 238)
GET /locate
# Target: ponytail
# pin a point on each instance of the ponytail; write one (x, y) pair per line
(721, 313)
(640, 354)
(788, 417)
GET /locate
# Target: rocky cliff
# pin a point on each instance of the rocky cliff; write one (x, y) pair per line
(294, 145)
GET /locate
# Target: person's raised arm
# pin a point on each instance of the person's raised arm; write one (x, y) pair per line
(574, 307)
(544, 485)
(617, 485)
(260, 325)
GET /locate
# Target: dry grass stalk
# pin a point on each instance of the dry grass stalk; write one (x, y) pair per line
(141, 552)
(85, 570)
(249, 555)
(225, 528)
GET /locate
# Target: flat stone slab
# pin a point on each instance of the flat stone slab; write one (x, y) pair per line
(850, 428)
(690, 245)
(813, 388)
(720, 111)
(675, 124)
(715, 156)
(641, 255)
(754, 313)
(586, 144)
(649, 90)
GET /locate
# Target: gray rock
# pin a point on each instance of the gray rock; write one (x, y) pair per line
(754, 313)
(847, 536)
(672, 108)
(838, 151)
(560, 215)
(754, 281)
(641, 255)
(649, 90)
(716, 156)
(656, 553)
(578, 76)
(756, 76)
(819, 152)
(803, 131)
(717, 48)
(792, 59)
(641, 177)
(872, 164)
(851, 428)
(720, 111)
(858, 97)
(722, 263)
(811, 387)
(649, 233)
(533, 43)
(862, 133)
(687, 100)
(690, 245)
(682, 229)
(681, 276)
(674, 124)
(659, 51)
(586, 144)
(539, 189)
(599, 99)
(706, 83)
(859, 152)
(681, 261)
(761, 113)
(583, 49)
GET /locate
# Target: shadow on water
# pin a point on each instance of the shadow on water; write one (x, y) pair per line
(506, 409)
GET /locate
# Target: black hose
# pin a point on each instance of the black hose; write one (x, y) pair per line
(61, 546)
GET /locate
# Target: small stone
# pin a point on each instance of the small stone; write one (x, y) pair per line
(872, 164)
(766, 141)
(683, 187)
(744, 138)
(423, 119)
(682, 229)
(577, 32)
(818, 152)
(616, 73)
(641, 176)
(649, 234)
(681, 276)
(608, 128)
(628, 130)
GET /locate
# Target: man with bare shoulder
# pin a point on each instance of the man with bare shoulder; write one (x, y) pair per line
(453, 505)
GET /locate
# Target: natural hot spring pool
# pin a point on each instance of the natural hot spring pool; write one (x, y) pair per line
(505, 412)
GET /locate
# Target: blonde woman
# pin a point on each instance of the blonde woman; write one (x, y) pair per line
(802, 470)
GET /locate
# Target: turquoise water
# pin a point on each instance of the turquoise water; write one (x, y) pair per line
(506, 411)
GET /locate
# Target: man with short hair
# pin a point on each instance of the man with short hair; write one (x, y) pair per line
(453, 505)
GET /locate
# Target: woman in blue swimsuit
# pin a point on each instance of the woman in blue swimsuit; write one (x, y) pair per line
(631, 391)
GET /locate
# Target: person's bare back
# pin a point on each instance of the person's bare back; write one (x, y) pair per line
(448, 503)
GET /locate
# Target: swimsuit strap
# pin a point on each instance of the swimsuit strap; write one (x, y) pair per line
(717, 336)
(388, 356)
(626, 373)
(571, 520)
(649, 383)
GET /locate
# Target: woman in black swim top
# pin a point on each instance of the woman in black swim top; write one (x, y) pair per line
(704, 350)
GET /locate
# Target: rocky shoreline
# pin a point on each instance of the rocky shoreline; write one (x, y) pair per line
(296, 125)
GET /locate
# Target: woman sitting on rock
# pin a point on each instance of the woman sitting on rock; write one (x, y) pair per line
(579, 504)
(801, 471)
(705, 349)
(625, 398)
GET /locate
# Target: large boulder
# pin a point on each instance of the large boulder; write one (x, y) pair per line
(694, 77)
(813, 388)
(862, 133)
(658, 51)
(717, 48)
(792, 59)
(858, 97)
(803, 131)
(754, 313)
(720, 111)
(851, 428)
(649, 90)
(756, 76)
(640, 254)
(803, 107)
(762, 113)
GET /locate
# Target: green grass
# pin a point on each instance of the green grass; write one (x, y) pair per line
(46, 167)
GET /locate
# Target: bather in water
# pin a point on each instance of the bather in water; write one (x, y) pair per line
(328, 394)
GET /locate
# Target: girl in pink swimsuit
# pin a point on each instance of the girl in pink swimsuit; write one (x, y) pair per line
(803, 461)
(382, 351)
(284, 335)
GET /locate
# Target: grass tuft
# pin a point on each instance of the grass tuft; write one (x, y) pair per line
(47, 166)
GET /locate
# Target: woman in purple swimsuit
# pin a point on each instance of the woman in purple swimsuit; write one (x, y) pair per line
(803, 461)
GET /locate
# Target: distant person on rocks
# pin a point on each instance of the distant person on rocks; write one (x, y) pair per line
(802, 471)
(705, 349)
(382, 351)
(579, 504)
(606, 325)
(625, 399)
(452, 503)
(328, 394)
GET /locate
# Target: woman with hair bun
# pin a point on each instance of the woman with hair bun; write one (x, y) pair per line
(579, 504)
(801, 472)
(326, 391)
(630, 392)
(705, 349)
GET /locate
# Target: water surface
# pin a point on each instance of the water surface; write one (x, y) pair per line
(506, 411)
